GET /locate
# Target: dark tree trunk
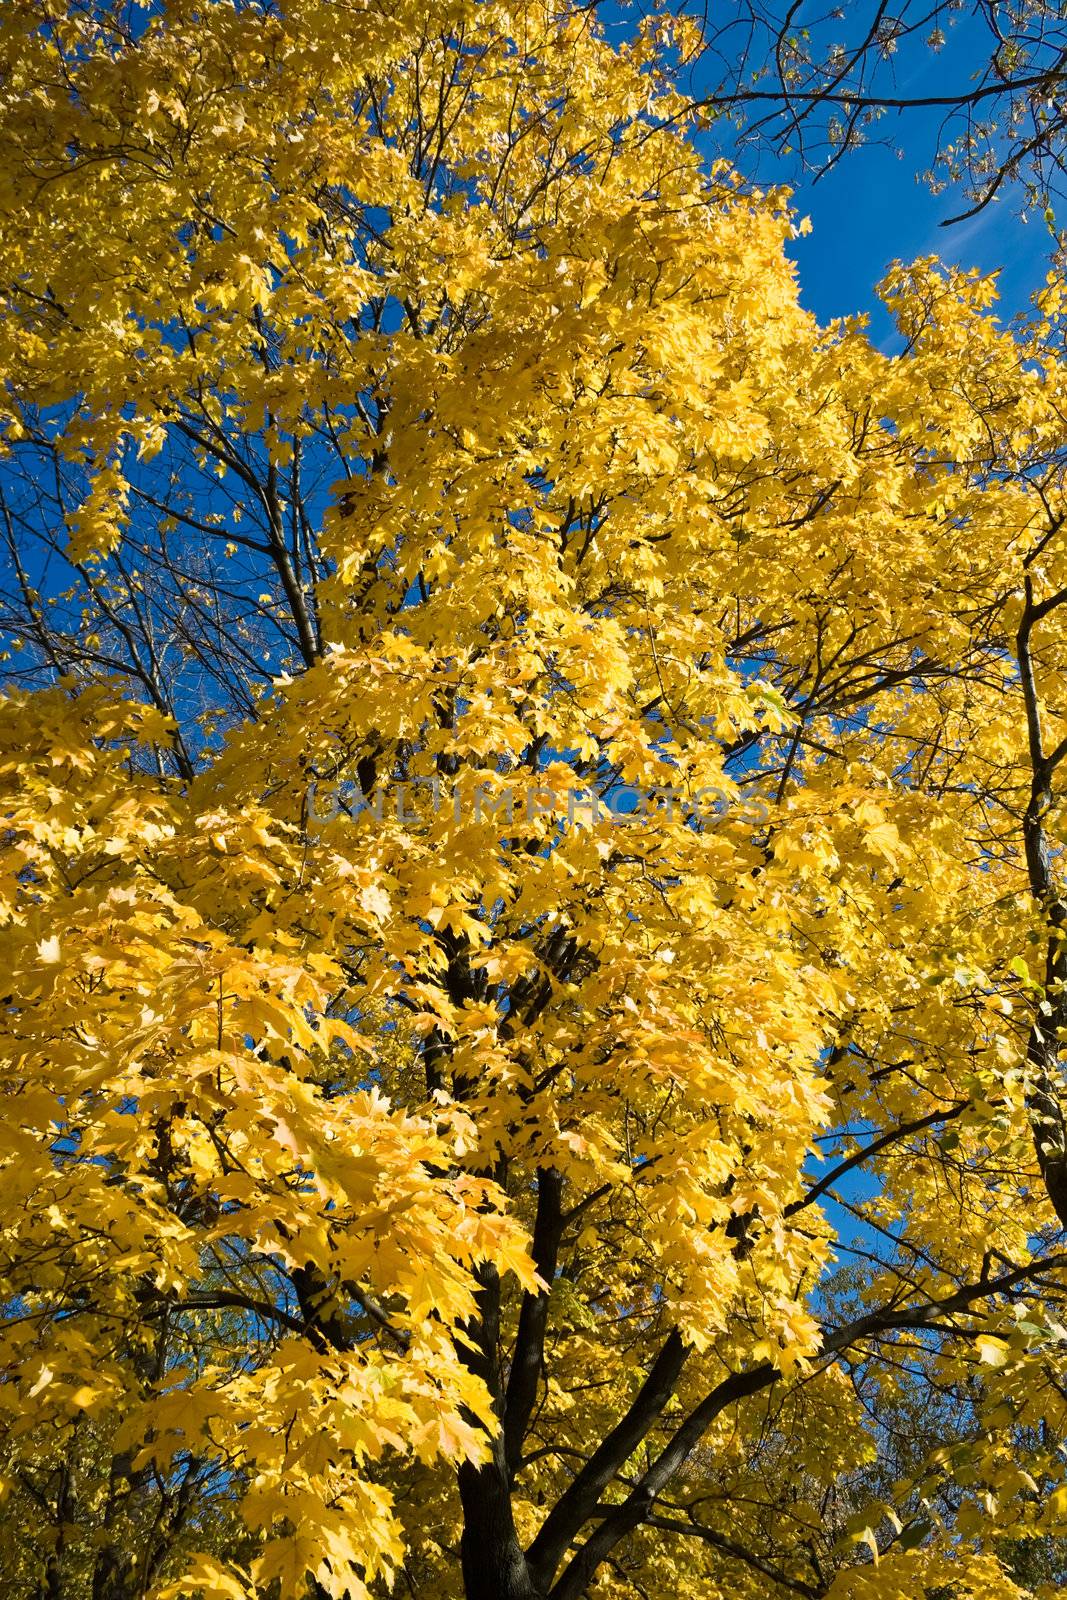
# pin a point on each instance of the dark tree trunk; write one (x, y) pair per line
(113, 1574)
(494, 1567)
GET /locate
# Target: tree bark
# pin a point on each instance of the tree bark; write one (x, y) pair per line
(494, 1566)
(527, 1360)
(574, 1508)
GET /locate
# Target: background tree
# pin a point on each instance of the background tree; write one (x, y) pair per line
(814, 83)
(533, 803)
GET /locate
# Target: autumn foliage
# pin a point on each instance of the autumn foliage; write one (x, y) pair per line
(533, 926)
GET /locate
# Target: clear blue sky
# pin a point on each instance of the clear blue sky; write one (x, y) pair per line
(873, 208)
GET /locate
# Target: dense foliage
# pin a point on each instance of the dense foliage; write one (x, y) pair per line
(532, 785)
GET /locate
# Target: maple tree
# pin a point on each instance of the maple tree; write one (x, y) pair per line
(533, 811)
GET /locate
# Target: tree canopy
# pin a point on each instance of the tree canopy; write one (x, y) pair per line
(533, 921)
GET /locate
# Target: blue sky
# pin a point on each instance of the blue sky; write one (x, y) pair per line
(873, 208)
